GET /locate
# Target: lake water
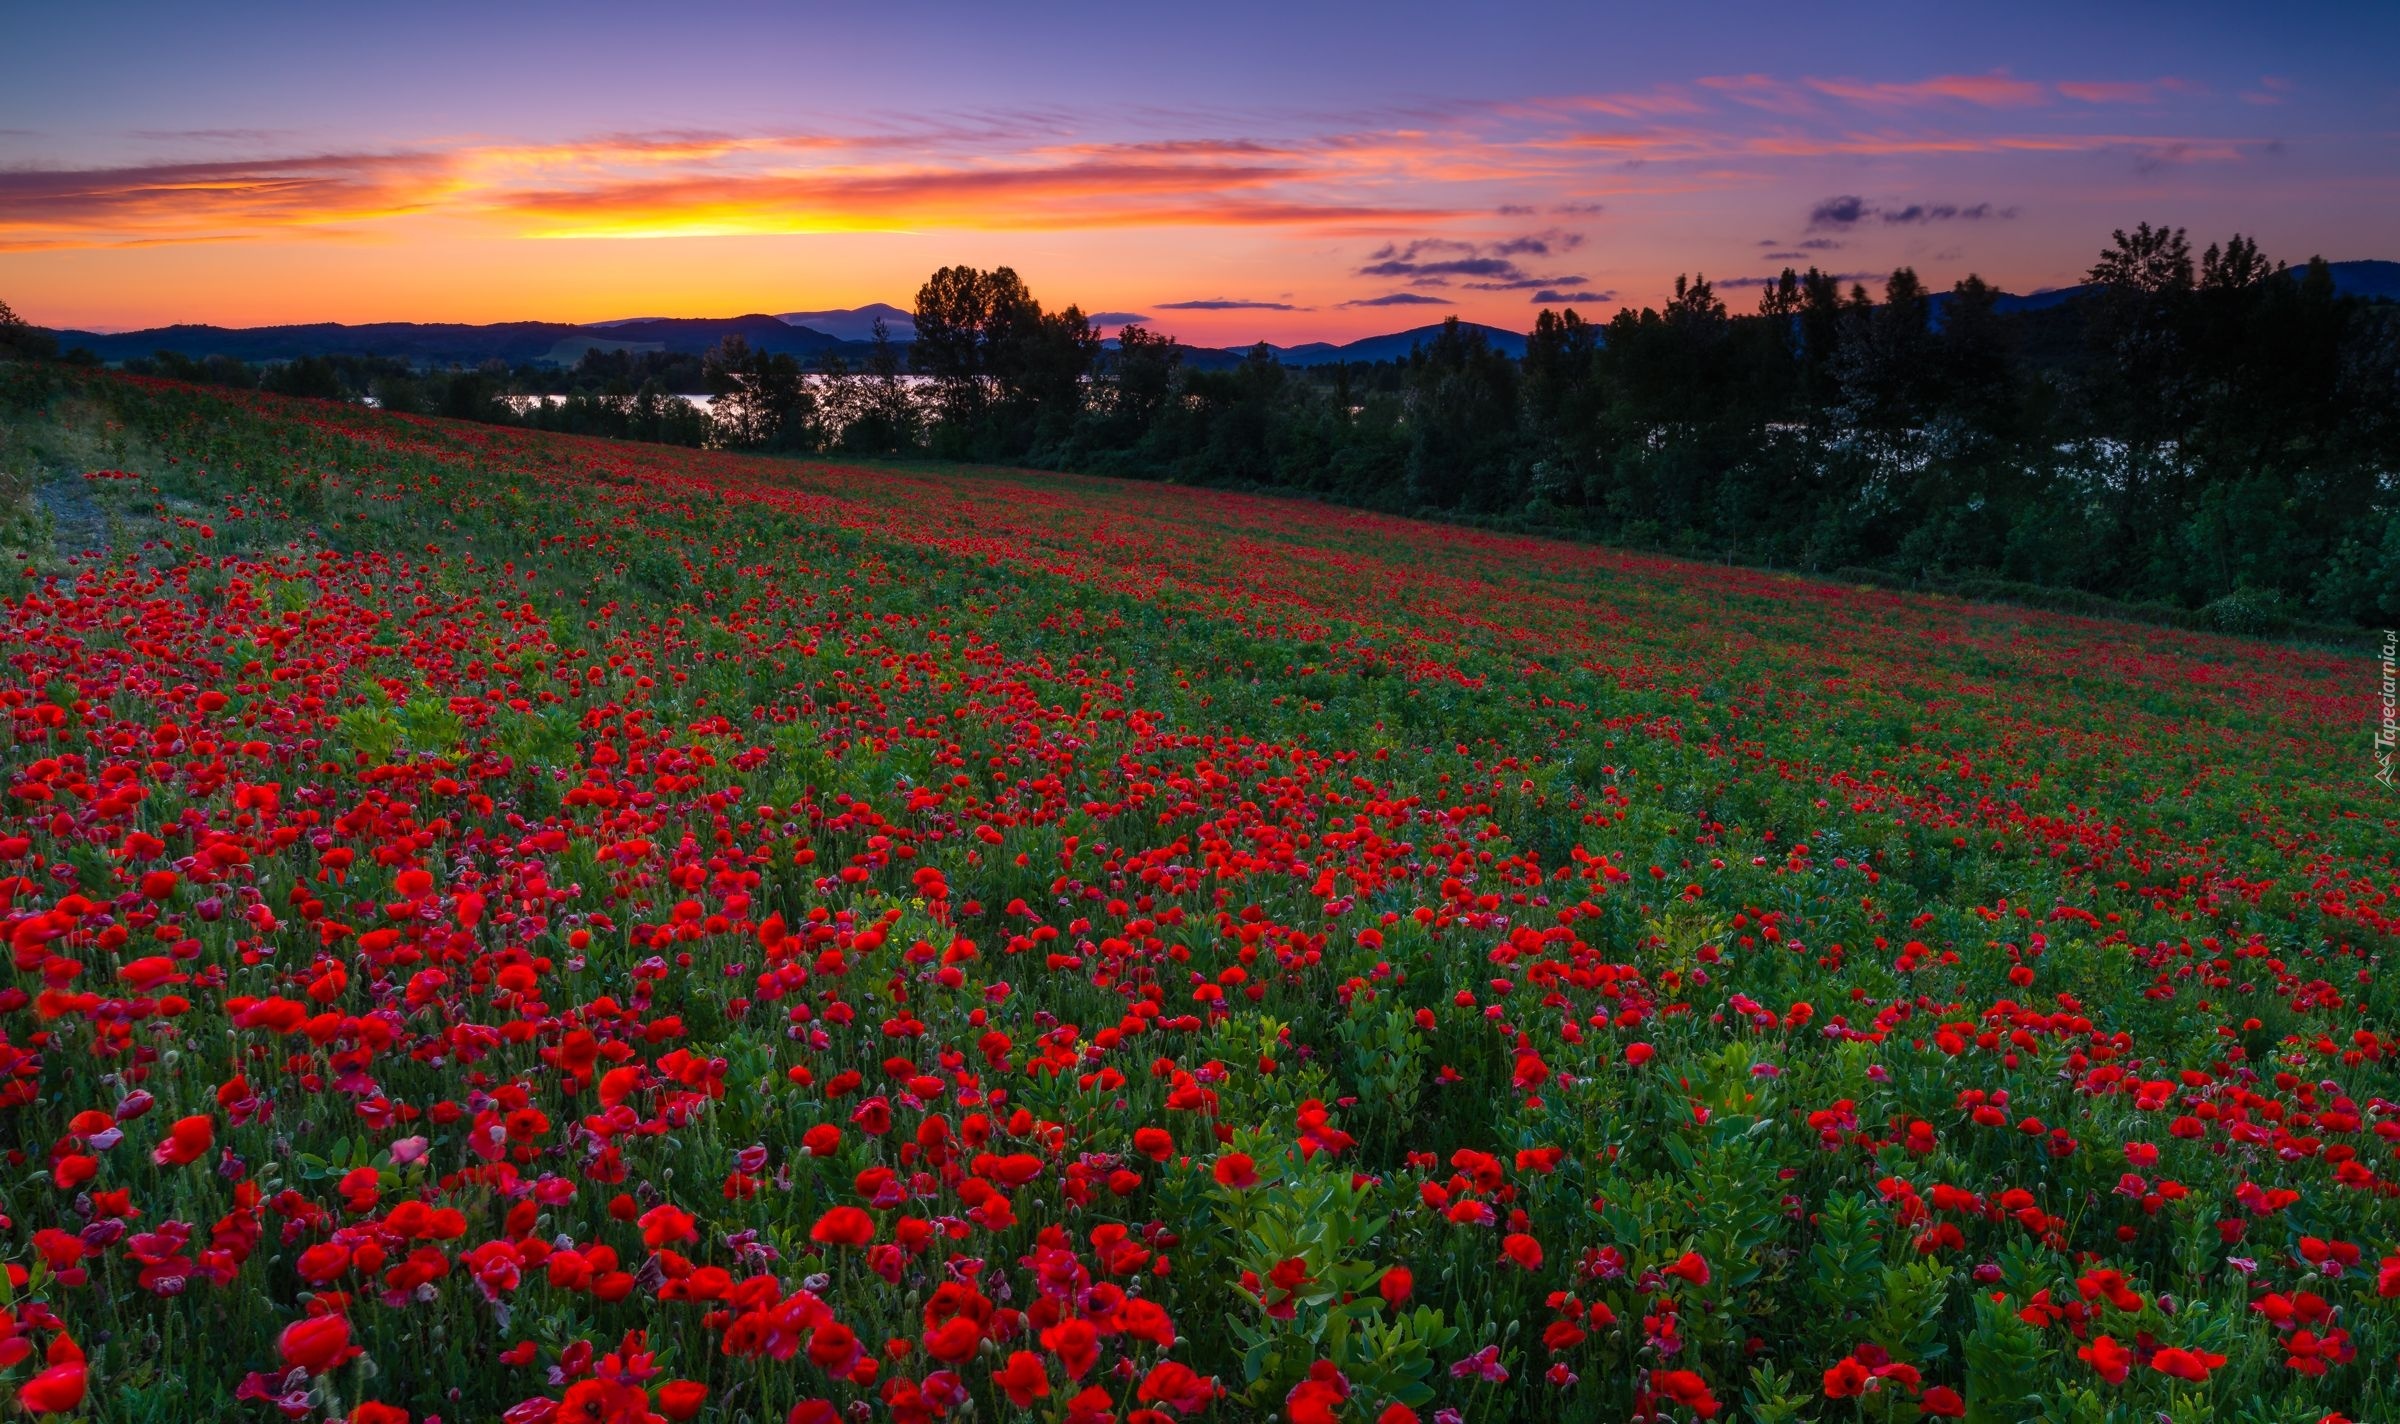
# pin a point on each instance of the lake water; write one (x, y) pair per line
(702, 403)
(522, 403)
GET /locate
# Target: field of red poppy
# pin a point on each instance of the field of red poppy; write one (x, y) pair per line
(505, 926)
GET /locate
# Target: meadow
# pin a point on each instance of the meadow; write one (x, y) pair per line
(512, 926)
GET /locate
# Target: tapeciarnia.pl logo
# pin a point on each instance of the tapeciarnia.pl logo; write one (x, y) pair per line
(2387, 735)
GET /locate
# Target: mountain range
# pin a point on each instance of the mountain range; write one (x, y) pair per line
(561, 343)
(2371, 280)
(458, 343)
(857, 323)
(809, 335)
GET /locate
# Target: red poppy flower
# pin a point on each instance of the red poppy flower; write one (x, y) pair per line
(1689, 1266)
(663, 1226)
(56, 1390)
(1318, 1399)
(1024, 1378)
(2109, 1359)
(1848, 1379)
(1077, 1345)
(954, 1340)
(317, 1344)
(2185, 1364)
(1172, 1383)
(186, 1142)
(833, 1348)
(843, 1226)
(1686, 1389)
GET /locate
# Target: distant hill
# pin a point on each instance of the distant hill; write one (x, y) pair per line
(459, 344)
(695, 334)
(2372, 280)
(1392, 346)
(563, 344)
(2375, 280)
(810, 335)
(427, 343)
(856, 323)
(570, 350)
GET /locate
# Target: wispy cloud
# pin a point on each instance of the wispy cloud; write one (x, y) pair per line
(1849, 210)
(1466, 203)
(1944, 212)
(1996, 90)
(1227, 304)
(1985, 91)
(1762, 91)
(1438, 166)
(1480, 266)
(252, 137)
(703, 184)
(2272, 89)
(168, 202)
(1737, 283)
(2127, 91)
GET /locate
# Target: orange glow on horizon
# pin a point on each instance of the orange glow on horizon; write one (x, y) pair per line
(1585, 199)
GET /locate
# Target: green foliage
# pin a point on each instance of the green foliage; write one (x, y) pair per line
(1386, 1069)
(1315, 1215)
(2008, 1373)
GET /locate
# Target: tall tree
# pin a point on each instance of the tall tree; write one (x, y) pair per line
(1562, 399)
(1006, 374)
(1462, 414)
(953, 318)
(761, 399)
(2145, 386)
(1145, 368)
(887, 421)
(2148, 262)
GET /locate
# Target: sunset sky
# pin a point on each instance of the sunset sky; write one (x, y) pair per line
(1228, 171)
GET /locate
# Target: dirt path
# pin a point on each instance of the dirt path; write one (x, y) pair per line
(78, 525)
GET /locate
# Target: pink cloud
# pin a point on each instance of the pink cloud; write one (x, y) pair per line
(1996, 90)
(1761, 91)
(2272, 89)
(2125, 91)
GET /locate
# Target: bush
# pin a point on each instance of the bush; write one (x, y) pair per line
(2248, 611)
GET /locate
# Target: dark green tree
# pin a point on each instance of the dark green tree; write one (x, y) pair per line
(1143, 374)
(760, 400)
(954, 317)
(1462, 420)
(23, 340)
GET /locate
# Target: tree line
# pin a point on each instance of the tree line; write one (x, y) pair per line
(2209, 433)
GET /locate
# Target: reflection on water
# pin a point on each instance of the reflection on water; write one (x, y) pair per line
(699, 402)
(525, 403)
